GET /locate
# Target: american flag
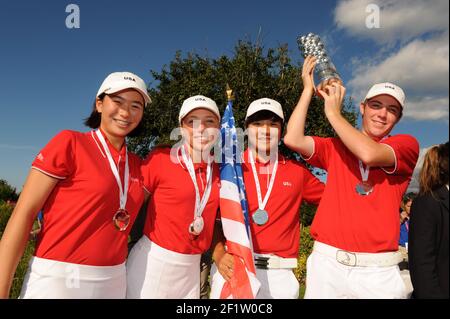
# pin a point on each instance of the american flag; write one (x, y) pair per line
(235, 216)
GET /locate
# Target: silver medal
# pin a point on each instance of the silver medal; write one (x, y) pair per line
(364, 188)
(260, 217)
(196, 227)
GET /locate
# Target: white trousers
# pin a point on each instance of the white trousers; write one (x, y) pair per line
(275, 284)
(50, 279)
(154, 272)
(326, 278)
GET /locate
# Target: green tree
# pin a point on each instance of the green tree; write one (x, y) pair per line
(7, 192)
(252, 72)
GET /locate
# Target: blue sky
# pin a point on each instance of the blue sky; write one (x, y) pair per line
(50, 73)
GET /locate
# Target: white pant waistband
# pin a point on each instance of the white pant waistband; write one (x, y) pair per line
(266, 261)
(56, 268)
(165, 254)
(353, 259)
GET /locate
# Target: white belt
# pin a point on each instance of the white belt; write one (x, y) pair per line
(353, 259)
(263, 261)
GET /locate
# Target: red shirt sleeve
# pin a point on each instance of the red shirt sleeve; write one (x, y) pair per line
(406, 150)
(150, 168)
(312, 187)
(56, 159)
(321, 153)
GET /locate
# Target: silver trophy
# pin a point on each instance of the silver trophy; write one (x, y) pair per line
(325, 70)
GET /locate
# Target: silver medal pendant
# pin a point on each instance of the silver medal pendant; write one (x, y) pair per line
(364, 188)
(260, 217)
(196, 227)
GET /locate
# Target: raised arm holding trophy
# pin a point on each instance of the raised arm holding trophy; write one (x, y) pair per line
(356, 224)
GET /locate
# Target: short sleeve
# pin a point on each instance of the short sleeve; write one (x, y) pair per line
(150, 168)
(321, 153)
(312, 187)
(57, 159)
(406, 152)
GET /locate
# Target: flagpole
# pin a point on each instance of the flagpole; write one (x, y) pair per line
(230, 96)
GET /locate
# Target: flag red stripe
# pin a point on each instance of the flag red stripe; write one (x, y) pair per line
(244, 252)
(239, 285)
(231, 209)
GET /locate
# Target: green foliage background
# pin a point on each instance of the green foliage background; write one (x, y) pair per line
(252, 72)
(7, 192)
(5, 213)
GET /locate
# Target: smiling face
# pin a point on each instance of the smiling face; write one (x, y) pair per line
(121, 113)
(263, 136)
(380, 114)
(200, 128)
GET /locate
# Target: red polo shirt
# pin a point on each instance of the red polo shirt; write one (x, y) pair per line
(172, 202)
(293, 183)
(347, 220)
(77, 225)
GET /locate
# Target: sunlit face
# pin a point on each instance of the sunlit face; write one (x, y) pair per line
(264, 136)
(121, 112)
(200, 128)
(380, 114)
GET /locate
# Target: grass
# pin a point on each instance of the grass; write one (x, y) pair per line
(21, 270)
(5, 213)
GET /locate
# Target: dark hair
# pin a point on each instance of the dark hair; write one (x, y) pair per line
(94, 120)
(434, 173)
(407, 197)
(262, 116)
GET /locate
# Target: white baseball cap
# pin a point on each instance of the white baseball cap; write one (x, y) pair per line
(119, 81)
(265, 104)
(387, 88)
(197, 102)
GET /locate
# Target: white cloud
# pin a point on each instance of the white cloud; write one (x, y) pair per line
(428, 108)
(414, 185)
(399, 19)
(421, 68)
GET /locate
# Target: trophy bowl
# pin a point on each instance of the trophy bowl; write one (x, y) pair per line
(325, 72)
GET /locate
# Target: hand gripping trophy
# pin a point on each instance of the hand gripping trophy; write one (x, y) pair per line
(325, 71)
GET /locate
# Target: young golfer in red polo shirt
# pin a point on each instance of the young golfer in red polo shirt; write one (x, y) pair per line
(183, 184)
(275, 188)
(356, 227)
(90, 190)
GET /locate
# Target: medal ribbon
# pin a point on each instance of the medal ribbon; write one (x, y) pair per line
(199, 204)
(262, 203)
(364, 172)
(123, 191)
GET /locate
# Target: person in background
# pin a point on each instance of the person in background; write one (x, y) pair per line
(35, 231)
(428, 232)
(405, 209)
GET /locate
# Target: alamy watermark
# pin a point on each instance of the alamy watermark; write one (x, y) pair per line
(73, 19)
(224, 149)
(73, 276)
(373, 19)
